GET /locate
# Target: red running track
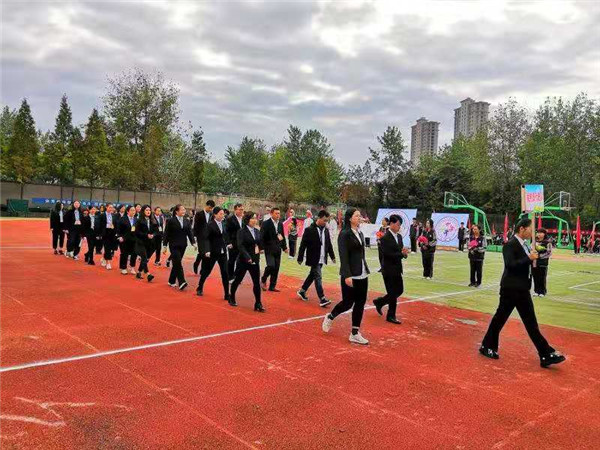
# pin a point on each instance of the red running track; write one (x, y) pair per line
(275, 384)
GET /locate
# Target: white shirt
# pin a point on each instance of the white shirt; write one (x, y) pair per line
(321, 232)
(307, 222)
(92, 221)
(109, 220)
(76, 215)
(60, 213)
(239, 219)
(395, 236)
(207, 215)
(364, 273)
(252, 231)
(158, 222)
(523, 244)
(180, 221)
(220, 225)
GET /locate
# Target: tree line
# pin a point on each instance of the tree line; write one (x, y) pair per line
(137, 141)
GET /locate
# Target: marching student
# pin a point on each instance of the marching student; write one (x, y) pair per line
(177, 232)
(414, 234)
(514, 293)
(385, 223)
(427, 242)
(122, 211)
(201, 220)
(73, 228)
(108, 227)
(93, 234)
(316, 242)
(292, 237)
(540, 270)
(461, 237)
(271, 236)
(138, 211)
(216, 246)
(392, 254)
(57, 226)
(126, 237)
(100, 242)
(234, 223)
(309, 219)
(354, 274)
(476, 250)
(145, 229)
(249, 247)
(159, 221)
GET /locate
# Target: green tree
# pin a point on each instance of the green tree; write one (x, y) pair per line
(23, 148)
(97, 155)
(77, 156)
(121, 173)
(56, 160)
(248, 167)
(199, 157)
(7, 122)
(389, 159)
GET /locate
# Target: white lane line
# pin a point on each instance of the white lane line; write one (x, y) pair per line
(563, 300)
(194, 338)
(583, 284)
(26, 247)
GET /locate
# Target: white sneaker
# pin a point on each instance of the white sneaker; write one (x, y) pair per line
(108, 266)
(103, 262)
(67, 254)
(123, 272)
(76, 258)
(132, 271)
(542, 295)
(327, 323)
(358, 339)
(173, 285)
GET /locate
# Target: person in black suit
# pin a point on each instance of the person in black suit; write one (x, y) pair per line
(93, 234)
(73, 228)
(126, 237)
(476, 251)
(201, 220)
(354, 274)
(271, 235)
(249, 247)
(461, 237)
(57, 226)
(514, 293)
(108, 227)
(233, 224)
(414, 234)
(392, 254)
(159, 223)
(177, 232)
(316, 243)
(145, 229)
(428, 246)
(216, 246)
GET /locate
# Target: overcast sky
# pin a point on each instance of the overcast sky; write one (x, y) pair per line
(348, 69)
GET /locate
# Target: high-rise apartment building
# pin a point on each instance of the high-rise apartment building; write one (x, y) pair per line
(424, 139)
(470, 117)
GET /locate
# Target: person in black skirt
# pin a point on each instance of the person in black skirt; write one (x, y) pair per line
(57, 226)
(178, 231)
(126, 238)
(73, 228)
(540, 270)
(249, 247)
(145, 229)
(354, 274)
(427, 243)
(476, 255)
(93, 234)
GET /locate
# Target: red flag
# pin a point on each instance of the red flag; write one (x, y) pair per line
(469, 223)
(505, 234)
(493, 228)
(578, 235)
(539, 225)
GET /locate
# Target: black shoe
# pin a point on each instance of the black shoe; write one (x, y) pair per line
(471, 284)
(150, 278)
(393, 320)
(195, 267)
(263, 285)
(183, 285)
(259, 308)
(378, 306)
(274, 290)
(489, 353)
(232, 301)
(168, 264)
(138, 275)
(56, 252)
(199, 292)
(302, 294)
(91, 262)
(227, 298)
(324, 303)
(552, 358)
(60, 252)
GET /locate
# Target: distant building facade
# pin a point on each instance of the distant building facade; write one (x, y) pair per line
(470, 117)
(424, 139)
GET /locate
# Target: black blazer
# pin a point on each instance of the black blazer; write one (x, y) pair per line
(232, 226)
(142, 230)
(391, 254)
(177, 236)
(268, 236)
(159, 224)
(311, 243)
(414, 231)
(124, 229)
(104, 224)
(55, 223)
(200, 225)
(69, 220)
(87, 226)
(477, 253)
(215, 242)
(461, 234)
(352, 253)
(432, 242)
(247, 245)
(517, 273)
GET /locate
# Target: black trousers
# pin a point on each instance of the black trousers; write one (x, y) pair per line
(99, 245)
(207, 267)
(145, 253)
(509, 300)
(58, 239)
(539, 279)
(272, 269)
(177, 275)
(315, 275)
(156, 248)
(394, 287)
(240, 272)
(476, 271)
(127, 254)
(231, 262)
(292, 246)
(110, 244)
(427, 264)
(74, 241)
(94, 245)
(413, 244)
(354, 297)
(461, 245)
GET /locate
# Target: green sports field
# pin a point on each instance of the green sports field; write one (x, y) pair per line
(573, 299)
